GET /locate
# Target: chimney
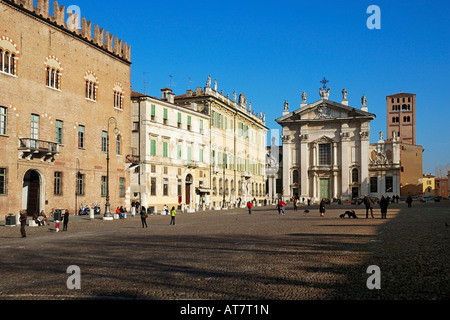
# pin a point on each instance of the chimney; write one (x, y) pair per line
(168, 95)
(189, 93)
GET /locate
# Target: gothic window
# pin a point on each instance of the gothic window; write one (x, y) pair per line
(91, 83)
(325, 154)
(53, 72)
(8, 56)
(3, 120)
(118, 96)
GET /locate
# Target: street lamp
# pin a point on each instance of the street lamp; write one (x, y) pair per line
(224, 202)
(108, 215)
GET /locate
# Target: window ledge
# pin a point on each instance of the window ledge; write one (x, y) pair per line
(8, 74)
(95, 101)
(118, 109)
(56, 89)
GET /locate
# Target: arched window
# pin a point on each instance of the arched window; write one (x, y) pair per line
(91, 83)
(355, 175)
(8, 56)
(118, 96)
(53, 72)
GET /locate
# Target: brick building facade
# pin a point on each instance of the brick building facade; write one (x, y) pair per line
(63, 92)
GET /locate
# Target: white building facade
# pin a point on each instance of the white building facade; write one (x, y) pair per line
(171, 144)
(327, 152)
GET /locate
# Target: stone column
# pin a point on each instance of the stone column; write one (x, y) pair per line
(304, 167)
(287, 147)
(345, 194)
(364, 159)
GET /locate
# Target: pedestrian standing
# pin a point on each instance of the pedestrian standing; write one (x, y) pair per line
(369, 206)
(144, 217)
(384, 203)
(295, 204)
(173, 213)
(23, 222)
(279, 207)
(249, 206)
(322, 208)
(66, 220)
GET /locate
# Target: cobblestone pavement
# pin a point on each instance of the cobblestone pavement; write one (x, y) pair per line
(231, 255)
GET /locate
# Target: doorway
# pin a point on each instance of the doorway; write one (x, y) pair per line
(324, 188)
(188, 189)
(32, 192)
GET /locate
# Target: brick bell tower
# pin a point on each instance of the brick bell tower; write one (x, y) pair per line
(401, 117)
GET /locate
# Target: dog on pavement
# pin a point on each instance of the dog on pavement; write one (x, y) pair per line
(350, 214)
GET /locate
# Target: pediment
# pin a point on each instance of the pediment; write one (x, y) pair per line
(324, 110)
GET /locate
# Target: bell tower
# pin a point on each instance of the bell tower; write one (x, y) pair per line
(401, 117)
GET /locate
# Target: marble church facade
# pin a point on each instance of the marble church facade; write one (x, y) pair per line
(327, 152)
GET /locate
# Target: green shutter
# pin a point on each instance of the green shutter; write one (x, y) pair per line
(165, 114)
(179, 152)
(179, 117)
(165, 150)
(153, 110)
(189, 120)
(153, 148)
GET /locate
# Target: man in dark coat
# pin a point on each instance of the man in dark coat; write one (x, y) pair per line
(384, 203)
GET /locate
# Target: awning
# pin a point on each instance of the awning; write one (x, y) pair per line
(202, 190)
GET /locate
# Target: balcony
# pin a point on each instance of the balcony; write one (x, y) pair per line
(33, 148)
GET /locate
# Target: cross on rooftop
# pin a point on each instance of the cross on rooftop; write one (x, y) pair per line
(324, 82)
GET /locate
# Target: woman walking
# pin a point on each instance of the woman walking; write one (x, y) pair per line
(322, 208)
(144, 217)
(66, 220)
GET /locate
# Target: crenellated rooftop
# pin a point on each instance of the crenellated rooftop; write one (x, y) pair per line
(72, 23)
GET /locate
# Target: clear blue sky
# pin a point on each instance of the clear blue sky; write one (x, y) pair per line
(275, 50)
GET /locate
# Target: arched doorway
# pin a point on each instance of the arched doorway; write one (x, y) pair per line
(31, 192)
(189, 182)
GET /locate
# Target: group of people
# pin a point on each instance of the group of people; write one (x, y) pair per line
(121, 212)
(42, 220)
(144, 215)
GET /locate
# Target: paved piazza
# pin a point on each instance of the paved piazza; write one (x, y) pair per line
(231, 255)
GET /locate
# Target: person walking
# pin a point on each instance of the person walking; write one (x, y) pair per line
(295, 204)
(369, 206)
(322, 208)
(384, 203)
(249, 206)
(66, 220)
(23, 222)
(409, 201)
(283, 207)
(144, 217)
(279, 207)
(173, 214)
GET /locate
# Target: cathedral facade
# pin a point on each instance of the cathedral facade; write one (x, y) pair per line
(327, 153)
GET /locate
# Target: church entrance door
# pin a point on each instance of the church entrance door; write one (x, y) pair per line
(325, 188)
